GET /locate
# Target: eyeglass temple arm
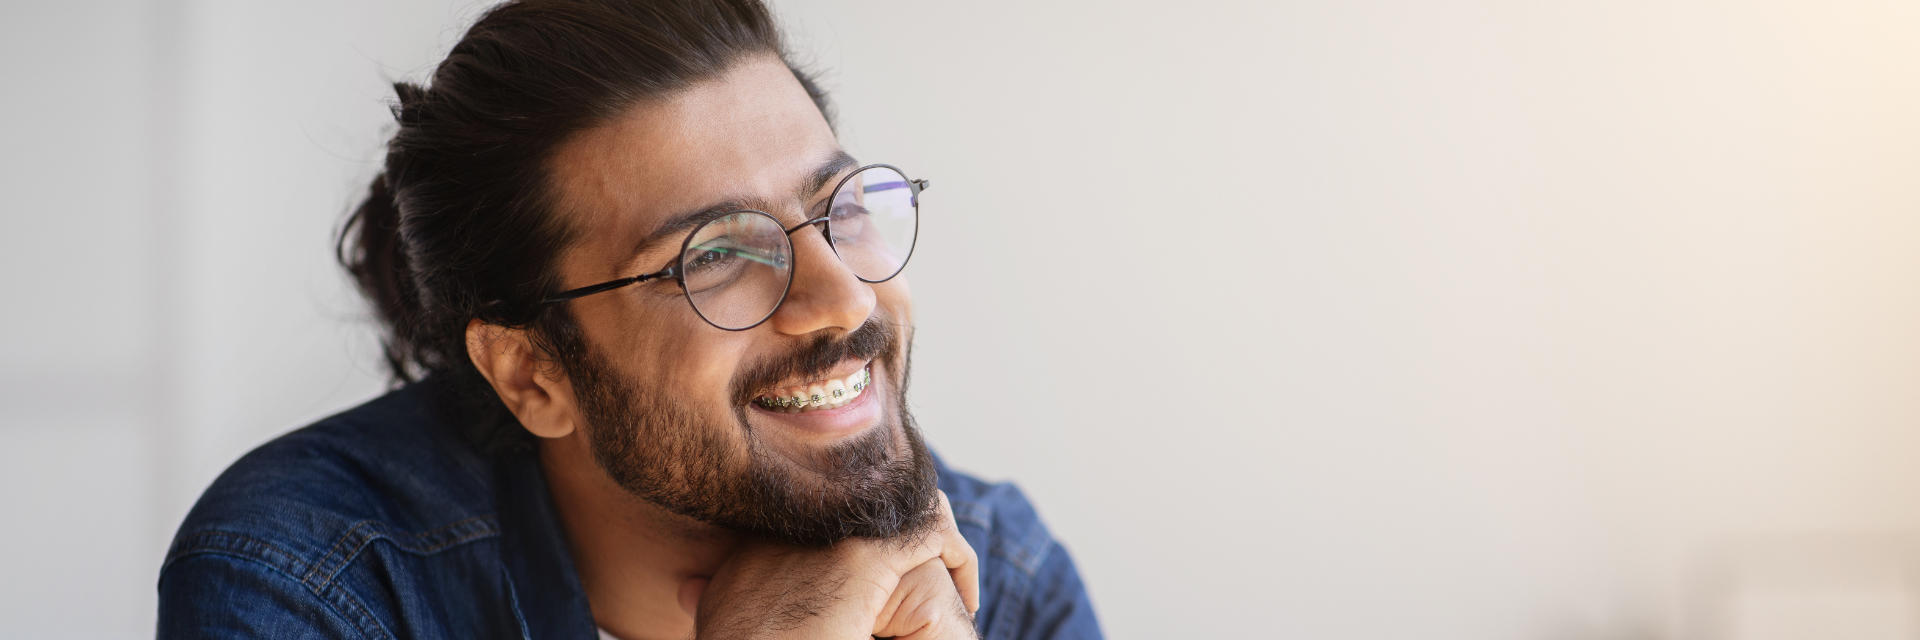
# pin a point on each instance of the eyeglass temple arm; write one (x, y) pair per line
(663, 273)
(606, 286)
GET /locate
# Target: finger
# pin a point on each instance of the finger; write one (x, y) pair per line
(917, 605)
(690, 592)
(963, 565)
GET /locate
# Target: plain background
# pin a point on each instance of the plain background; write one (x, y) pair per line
(1373, 319)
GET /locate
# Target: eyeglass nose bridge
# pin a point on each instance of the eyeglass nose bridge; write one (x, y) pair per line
(809, 223)
(827, 234)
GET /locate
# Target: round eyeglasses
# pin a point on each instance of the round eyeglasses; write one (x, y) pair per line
(736, 269)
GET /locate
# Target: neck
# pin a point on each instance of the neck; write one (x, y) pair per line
(635, 558)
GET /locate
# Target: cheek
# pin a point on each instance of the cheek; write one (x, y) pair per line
(678, 353)
(703, 369)
(896, 305)
(896, 299)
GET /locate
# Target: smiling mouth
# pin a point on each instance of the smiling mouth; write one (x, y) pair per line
(818, 396)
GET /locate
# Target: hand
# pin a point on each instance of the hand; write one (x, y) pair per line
(925, 606)
(770, 590)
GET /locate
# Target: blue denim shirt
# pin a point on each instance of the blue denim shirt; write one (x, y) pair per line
(385, 522)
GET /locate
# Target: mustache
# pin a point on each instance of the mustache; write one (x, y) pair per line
(871, 341)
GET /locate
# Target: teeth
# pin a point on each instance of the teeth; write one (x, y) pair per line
(827, 394)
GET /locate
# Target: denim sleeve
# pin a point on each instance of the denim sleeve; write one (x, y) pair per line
(1059, 607)
(221, 596)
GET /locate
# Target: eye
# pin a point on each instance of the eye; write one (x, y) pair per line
(848, 208)
(848, 220)
(709, 258)
(712, 265)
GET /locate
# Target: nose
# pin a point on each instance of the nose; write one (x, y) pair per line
(825, 292)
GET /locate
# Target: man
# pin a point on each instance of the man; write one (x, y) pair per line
(656, 342)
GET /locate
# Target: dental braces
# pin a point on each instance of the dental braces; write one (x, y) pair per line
(814, 400)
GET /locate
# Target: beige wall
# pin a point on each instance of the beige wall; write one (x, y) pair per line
(1386, 319)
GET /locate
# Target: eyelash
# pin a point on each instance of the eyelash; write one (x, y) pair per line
(823, 208)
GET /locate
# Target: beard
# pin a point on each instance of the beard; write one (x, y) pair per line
(666, 451)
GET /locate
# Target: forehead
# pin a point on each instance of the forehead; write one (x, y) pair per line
(751, 133)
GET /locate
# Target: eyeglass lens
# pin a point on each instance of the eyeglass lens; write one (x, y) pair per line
(737, 268)
(872, 221)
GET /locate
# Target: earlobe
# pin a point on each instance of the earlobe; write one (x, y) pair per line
(535, 394)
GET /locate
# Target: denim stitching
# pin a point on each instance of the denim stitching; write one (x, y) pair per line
(974, 513)
(1011, 606)
(459, 532)
(314, 577)
(369, 625)
(362, 620)
(238, 545)
(1021, 554)
(318, 576)
(1014, 557)
(481, 527)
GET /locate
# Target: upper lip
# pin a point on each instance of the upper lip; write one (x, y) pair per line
(846, 368)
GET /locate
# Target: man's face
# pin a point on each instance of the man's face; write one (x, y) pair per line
(666, 400)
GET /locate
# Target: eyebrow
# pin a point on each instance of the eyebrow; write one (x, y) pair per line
(687, 220)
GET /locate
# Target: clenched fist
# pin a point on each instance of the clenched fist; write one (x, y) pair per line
(926, 587)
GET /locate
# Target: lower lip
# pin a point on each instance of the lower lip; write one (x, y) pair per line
(852, 417)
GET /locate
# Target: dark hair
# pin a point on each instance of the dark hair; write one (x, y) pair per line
(461, 224)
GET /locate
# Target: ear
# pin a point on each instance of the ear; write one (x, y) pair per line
(537, 394)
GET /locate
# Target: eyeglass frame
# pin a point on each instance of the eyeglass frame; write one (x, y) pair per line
(676, 272)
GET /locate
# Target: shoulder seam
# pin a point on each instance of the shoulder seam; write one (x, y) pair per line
(318, 577)
(1027, 544)
(1027, 551)
(361, 620)
(1027, 563)
(366, 532)
(972, 512)
(236, 545)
